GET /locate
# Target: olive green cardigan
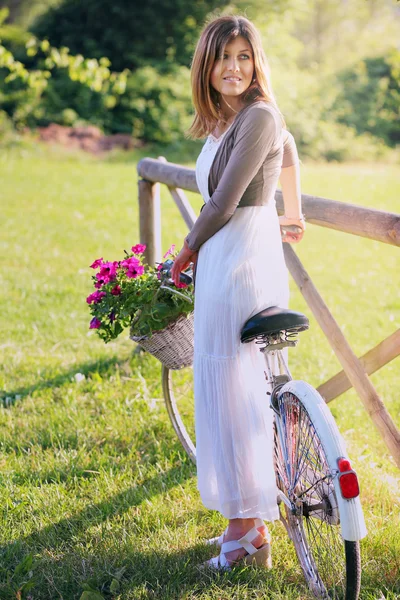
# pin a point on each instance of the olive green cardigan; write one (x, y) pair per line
(245, 169)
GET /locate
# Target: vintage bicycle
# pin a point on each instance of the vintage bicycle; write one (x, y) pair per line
(317, 489)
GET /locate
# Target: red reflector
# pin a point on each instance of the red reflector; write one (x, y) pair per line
(349, 485)
(344, 465)
(347, 479)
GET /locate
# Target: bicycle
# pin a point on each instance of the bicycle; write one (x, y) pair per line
(318, 491)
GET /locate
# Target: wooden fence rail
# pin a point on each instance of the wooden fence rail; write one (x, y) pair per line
(349, 218)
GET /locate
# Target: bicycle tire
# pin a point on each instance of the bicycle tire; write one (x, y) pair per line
(307, 446)
(177, 388)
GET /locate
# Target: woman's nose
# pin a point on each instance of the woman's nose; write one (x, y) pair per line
(233, 64)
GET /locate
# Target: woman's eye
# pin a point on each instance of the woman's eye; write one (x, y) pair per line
(245, 56)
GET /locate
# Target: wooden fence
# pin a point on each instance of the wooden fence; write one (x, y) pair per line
(349, 218)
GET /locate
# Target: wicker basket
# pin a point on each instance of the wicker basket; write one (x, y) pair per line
(173, 346)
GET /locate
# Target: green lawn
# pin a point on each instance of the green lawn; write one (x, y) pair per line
(95, 488)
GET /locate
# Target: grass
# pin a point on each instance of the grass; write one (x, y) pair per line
(97, 498)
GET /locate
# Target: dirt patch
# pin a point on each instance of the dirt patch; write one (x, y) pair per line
(89, 138)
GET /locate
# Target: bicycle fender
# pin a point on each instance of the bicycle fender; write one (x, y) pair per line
(351, 515)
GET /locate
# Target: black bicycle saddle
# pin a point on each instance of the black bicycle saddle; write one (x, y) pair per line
(273, 320)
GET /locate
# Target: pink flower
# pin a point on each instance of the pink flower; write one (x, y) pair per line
(138, 249)
(116, 290)
(169, 251)
(95, 323)
(159, 267)
(134, 272)
(108, 271)
(99, 284)
(97, 263)
(130, 263)
(181, 285)
(133, 267)
(95, 298)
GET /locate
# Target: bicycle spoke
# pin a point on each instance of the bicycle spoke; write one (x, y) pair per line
(304, 476)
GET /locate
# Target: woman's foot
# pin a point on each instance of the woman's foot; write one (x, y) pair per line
(218, 540)
(243, 541)
(237, 528)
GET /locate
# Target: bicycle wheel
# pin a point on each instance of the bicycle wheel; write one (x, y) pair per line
(179, 399)
(324, 526)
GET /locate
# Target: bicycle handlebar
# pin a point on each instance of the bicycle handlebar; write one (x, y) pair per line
(185, 277)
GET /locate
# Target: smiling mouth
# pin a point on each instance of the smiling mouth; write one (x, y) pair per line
(232, 79)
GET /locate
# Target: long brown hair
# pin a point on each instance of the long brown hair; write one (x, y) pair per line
(211, 45)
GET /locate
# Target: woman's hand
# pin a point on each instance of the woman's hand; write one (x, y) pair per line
(182, 261)
(291, 237)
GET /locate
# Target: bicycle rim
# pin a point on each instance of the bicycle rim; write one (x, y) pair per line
(330, 564)
(179, 400)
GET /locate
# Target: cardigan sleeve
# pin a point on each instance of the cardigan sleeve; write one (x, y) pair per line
(290, 156)
(255, 137)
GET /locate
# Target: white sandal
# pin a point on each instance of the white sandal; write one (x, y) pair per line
(259, 556)
(219, 539)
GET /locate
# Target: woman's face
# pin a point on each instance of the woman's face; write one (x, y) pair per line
(233, 75)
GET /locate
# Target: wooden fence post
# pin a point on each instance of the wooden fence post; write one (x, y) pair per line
(373, 360)
(342, 216)
(150, 220)
(349, 361)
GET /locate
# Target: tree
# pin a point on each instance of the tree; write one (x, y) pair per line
(130, 34)
(370, 97)
(23, 12)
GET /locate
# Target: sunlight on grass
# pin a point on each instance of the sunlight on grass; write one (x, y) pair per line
(95, 486)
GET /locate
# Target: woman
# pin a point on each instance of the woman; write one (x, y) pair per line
(236, 244)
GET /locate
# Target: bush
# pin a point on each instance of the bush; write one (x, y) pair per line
(29, 99)
(370, 97)
(6, 126)
(13, 36)
(130, 34)
(337, 142)
(156, 107)
(312, 104)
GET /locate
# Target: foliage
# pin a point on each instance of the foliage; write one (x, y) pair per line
(336, 111)
(154, 107)
(309, 105)
(68, 90)
(130, 34)
(13, 36)
(370, 97)
(21, 89)
(331, 35)
(23, 12)
(129, 293)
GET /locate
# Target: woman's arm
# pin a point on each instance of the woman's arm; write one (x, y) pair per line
(290, 186)
(255, 137)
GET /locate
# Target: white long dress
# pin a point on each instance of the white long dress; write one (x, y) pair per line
(241, 271)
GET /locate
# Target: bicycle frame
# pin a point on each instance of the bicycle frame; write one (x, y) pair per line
(277, 371)
(278, 376)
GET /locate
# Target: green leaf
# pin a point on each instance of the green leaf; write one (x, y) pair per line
(120, 572)
(90, 595)
(28, 585)
(45, 45)
(24, 566)
(114, 587)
